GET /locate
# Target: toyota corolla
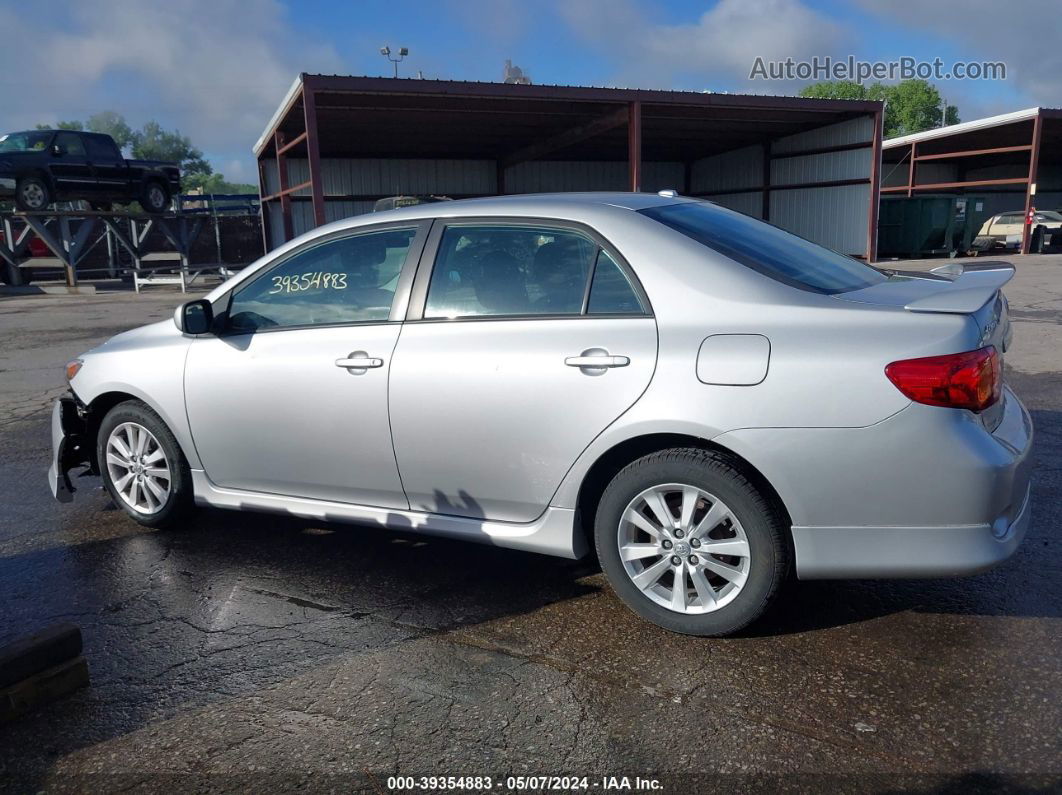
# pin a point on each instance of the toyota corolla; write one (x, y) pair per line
(704, 400)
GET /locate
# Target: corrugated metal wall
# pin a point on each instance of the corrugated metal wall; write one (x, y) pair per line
(853, 131)
(740, 168)
(835, 216)
(549, 176)
(389, 177)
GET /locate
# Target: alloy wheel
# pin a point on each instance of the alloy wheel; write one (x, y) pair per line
(684, 548)
(138, 468)
(156, 198)
(33, 195)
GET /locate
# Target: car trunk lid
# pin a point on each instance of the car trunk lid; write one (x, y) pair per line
(973, 290)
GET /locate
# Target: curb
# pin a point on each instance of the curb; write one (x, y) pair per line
(49, 289)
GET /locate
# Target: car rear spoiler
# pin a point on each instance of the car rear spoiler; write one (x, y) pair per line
(969, 288)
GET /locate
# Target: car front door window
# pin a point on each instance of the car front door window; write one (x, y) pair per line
(346, 280)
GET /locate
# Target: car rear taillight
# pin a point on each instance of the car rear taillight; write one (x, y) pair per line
(970, 380)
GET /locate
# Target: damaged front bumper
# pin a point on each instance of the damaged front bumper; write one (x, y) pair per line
(70, 447)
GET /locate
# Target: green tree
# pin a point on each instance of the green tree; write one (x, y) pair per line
(63, 125)
(112, 124)
(910, 106)
(151, 142)
(215, 183)
(840, 89)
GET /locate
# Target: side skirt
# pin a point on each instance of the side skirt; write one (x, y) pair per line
(553, 533)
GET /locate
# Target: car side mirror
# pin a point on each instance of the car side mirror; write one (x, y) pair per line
(194, 317)
(57, 150)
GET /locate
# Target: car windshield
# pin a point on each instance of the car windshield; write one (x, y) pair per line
(25, 141)
(783, 256)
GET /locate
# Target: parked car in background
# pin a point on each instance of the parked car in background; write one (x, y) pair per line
(39, 167)
(35, 246)
(706, 400)
(1005, 230)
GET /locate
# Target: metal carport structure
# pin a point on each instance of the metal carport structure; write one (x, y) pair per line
(336, 144)
(1014, 158)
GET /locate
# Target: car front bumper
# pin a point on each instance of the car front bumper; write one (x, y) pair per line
(70, 447)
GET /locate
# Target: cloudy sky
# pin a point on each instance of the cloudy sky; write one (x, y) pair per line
(216, 69)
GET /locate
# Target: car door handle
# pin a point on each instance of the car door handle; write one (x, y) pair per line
(597, 361)
(359, 362)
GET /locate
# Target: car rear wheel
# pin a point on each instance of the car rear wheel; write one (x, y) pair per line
(155, 197)
(689, 543)
(32, 194)
(142, 465)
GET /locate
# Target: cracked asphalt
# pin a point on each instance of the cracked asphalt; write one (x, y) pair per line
(245, 652)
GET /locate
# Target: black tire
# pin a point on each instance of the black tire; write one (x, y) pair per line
(180, 498)
(155, 197)
(714, 473)
(33, 194)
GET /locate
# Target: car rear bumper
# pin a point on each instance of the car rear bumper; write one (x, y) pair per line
(826, 553)
(999, 463)
(929, 492)
(69, 447)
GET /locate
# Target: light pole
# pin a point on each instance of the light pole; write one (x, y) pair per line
(385, 51)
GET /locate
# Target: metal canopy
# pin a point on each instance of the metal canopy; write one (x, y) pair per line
(1011, 147)
(371, 117)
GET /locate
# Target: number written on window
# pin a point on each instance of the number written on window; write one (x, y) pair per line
(343, 280)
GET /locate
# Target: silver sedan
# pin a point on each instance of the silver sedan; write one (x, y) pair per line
(702, 400)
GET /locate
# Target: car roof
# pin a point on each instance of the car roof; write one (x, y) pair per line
(530, 204)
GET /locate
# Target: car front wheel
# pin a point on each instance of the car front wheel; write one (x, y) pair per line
(142, 465)
(32, 194)
(689, 543)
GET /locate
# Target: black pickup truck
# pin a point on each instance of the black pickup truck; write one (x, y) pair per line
(39, 167)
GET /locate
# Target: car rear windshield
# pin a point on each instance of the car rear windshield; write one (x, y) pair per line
(767, 249)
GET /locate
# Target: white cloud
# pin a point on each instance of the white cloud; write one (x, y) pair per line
(1026, 36)
(215, 69)
(721, 46)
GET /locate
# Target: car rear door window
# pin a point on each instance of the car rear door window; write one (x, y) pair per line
(611, 292)
(509, 270)
(101, 149)
(524, 270)
(345, 280)
(70, 143)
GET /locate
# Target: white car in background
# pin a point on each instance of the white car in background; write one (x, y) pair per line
(1006, 228)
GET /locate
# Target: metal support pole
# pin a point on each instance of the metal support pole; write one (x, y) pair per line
(313, 153)
(634, 145)
(282, 177)
(68, 248)
(217, 229)
(875, 191)
(134, 235)
(112, 265)
(263, 211)
(911, 169)
(765, 208)
(1030, 188)
(14, 273)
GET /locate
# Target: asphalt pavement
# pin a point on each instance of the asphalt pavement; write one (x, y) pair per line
(258, 652)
